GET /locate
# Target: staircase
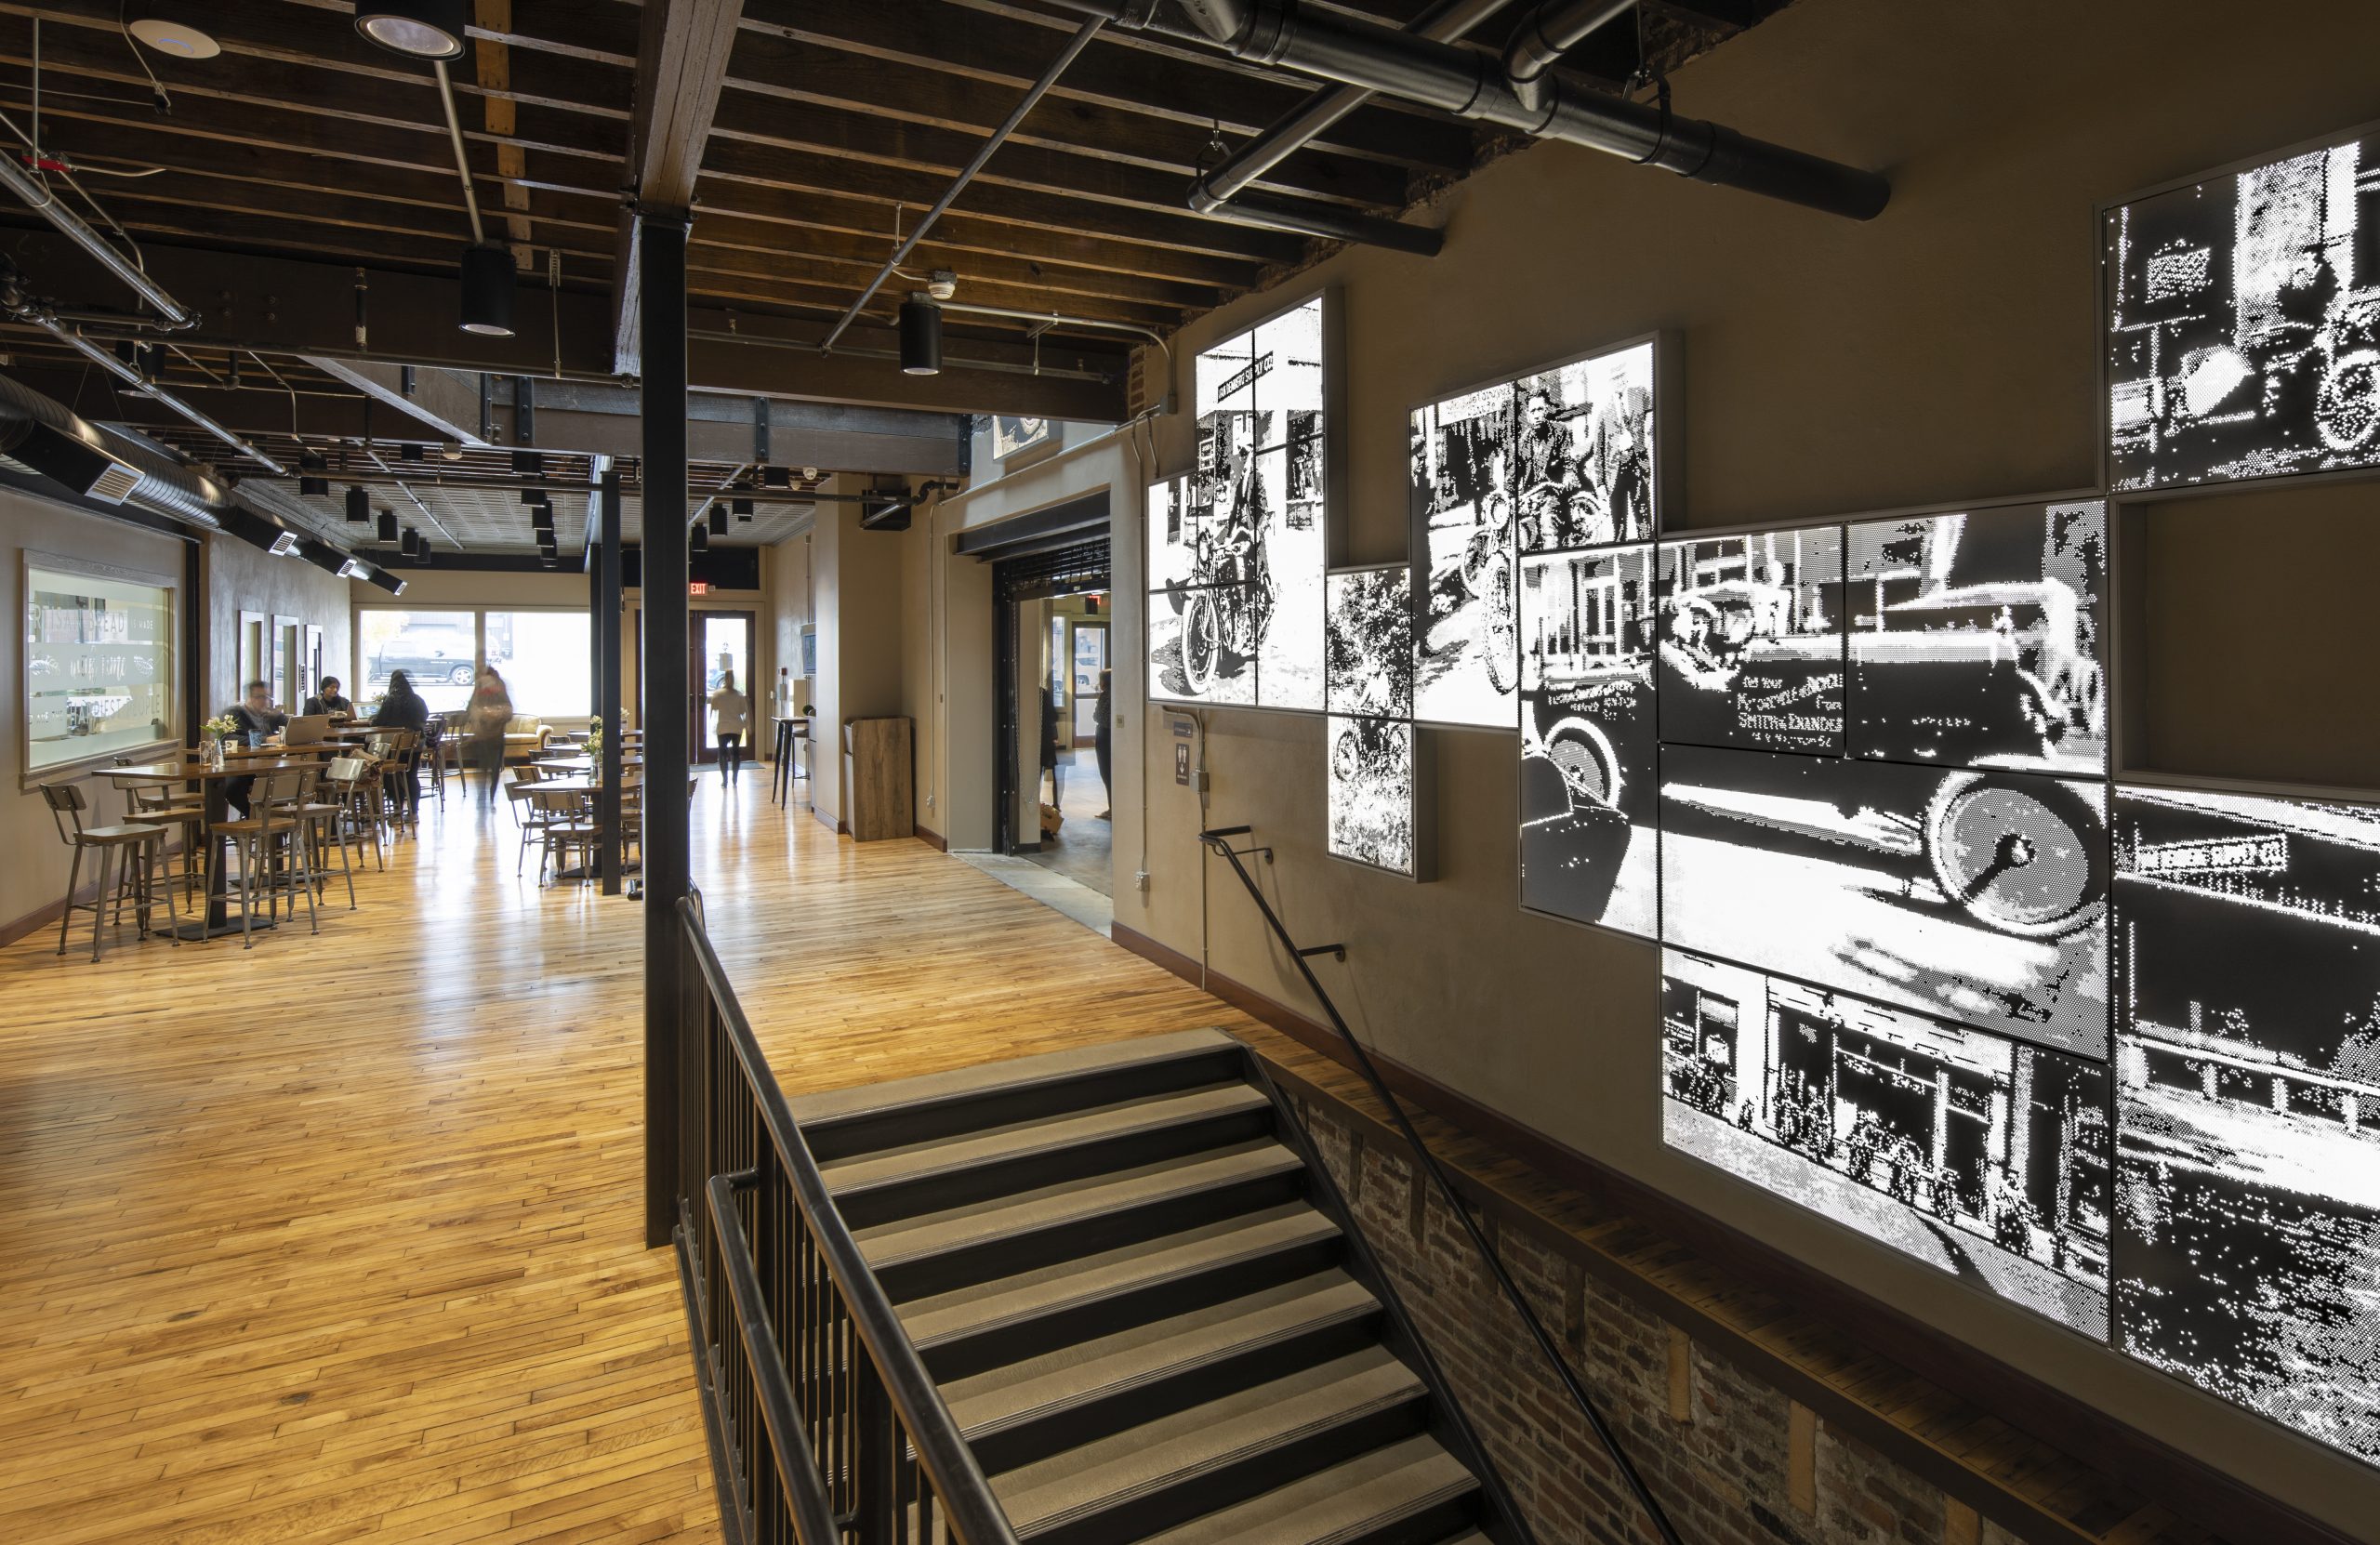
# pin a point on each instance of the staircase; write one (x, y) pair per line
(1141, 1301)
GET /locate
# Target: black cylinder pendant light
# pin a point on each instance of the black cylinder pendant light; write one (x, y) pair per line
(718, 519)
(388, 525)
(488, 274)
(408, 541)
(920, 336)
(359, 504)
(698, 539)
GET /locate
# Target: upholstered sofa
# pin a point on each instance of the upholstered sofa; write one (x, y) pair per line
(525, 738)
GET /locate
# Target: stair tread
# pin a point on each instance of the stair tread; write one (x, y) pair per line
(1338, 1503)
(834, 1105)
(1083, 1197)
(964, 1311)
(1178, 1448)
(1064, 1130)
(1144, 1354)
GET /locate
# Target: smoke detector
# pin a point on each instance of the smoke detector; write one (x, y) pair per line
(942, 283)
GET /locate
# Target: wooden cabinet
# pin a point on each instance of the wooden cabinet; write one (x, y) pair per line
(876, 778)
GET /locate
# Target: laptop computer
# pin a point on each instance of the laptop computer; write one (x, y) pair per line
(307, 730)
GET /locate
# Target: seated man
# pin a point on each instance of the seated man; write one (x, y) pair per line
(258, 718)
(329, 701)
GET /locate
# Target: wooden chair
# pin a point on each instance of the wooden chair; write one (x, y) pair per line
(326, 821)
(175, 809)
(141, 844)
(527, 814)
(567, 827)
(361, 794)
(271, 844)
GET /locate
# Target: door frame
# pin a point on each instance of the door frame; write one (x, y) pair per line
(703, 750)
(1075, 568)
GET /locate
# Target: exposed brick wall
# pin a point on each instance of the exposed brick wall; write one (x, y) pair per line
(1744, 1466)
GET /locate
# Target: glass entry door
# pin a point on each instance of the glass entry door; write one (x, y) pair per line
(722, 642)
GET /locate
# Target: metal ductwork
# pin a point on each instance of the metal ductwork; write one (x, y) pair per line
(1335, 45)
(1548, 33)
(31, 428)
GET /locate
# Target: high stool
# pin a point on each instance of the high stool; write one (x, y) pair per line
(271, 841)
(144, 845)
(326, 818)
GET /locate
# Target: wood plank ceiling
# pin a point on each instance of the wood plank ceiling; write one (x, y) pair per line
(837, 123)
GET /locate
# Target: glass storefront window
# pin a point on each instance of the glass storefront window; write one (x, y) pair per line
(98, 666)
(438, 650)
(544, 658)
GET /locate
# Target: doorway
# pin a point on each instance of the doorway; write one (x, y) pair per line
(723, 643)
(1050, 622)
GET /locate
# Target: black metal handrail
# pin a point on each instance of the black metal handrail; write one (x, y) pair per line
(1218, 840)
(860, 1446)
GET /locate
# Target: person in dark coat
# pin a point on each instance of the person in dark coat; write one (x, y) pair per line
(1099, 741)
(404, 708)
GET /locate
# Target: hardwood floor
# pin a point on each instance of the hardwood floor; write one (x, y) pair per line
(338, 1238)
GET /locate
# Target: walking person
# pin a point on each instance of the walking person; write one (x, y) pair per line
(490, 712)
(1103, 743)
(730, 711)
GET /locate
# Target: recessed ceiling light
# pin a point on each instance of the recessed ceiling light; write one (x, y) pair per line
(418, 29)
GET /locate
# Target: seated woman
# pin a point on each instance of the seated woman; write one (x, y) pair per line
(329, 701)
(403, 708)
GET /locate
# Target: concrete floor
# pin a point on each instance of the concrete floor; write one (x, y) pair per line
(1084, 849)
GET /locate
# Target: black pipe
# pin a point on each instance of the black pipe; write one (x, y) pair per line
(1550, 31)
(1338, 46)
(1279, 214)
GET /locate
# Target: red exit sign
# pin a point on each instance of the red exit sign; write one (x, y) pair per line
(698, 587)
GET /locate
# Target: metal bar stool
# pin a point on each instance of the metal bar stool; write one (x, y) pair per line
(143, 845)
(325, 817)
(273, 850)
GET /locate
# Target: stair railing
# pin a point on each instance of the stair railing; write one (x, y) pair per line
(824, 1427)
(1218, 840)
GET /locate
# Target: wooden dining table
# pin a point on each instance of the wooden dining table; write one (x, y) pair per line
(212, 781)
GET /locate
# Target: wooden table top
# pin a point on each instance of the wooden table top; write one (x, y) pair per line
(580, 785)
(186, 772)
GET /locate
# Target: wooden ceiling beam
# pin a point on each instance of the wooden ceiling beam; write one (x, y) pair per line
(1121, 72)
(681, 69)
(492, 64)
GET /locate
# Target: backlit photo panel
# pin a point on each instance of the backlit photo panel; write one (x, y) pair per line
(1973, 895)
(1752, 640)
(2243, 323)
(1373, 792)
(1975, 638)
(1285, 568)
(1367, 645)
(1590, 747)
(1288, 351)
(1172, 542)
(1986, 1156)
(1583, 458)
(1466, 660)
(1199, 645)
(2248, 1103)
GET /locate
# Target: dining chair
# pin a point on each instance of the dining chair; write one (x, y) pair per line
(140, 844)
(567, 827)
(272, 850)
(326, 816)
(175, 809)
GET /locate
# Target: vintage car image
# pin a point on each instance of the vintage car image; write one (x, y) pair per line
(1589, 744)
(1974, 639)
(1466, 646)
(1372, 792)
(2244, 324)
(2248, 1101)
(1986, 1156)
(1973, 895)
(1751, 649)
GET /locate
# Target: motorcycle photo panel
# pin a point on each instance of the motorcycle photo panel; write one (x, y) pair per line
(1985, 1157)
(1590, 748)
(1375, 795)
(1559, 458)
(1752, 640)
(2248, 1103)
(2243, 314)
(1974, 639)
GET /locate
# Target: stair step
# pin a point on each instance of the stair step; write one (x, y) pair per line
(1016, 1317)
(1024, 1411)
(1173, 1469)
(940, 1250)
(840, 1122)
(1408, 1493)
(884, 1184)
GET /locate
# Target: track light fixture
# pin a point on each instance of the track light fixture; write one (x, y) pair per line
(359, 503)
(312, 483)
(743, 509)
(698, 539)
(418, 29)
(547, 560)
(421, 555)
(528, 463)
(718, 519)
(776, 477)
(408, 451)
(408, 540)
(920, 335)
(388, 525)
(488, 276)
(537, 497)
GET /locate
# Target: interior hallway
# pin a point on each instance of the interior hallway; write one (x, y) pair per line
(340, 1237)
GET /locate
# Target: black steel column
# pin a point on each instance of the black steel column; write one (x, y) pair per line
(606, 585)
(661, 272)
(192, 642)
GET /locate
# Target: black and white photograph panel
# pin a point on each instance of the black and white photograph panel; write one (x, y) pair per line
(1976, 637)
(1590, 802)
(1582, 452)
(1288, 358)
(2248, 1103)
(1285, 565)
(1173, 536)
(1752, 640)
(1964, 894)
(2243, 323)
(1012, 435)
(1199, 648)
(1986, 1156)
(1373, 792)
(1467, 659)
(1368, 646)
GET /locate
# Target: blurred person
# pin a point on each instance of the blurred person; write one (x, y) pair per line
(258, 719)
(485, 723)
(403, 708)
(730, 711)
(329, 701)
(1102, 742)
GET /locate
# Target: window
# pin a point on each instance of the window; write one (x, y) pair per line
(546, 658)
(99, 665)
(438, 652)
